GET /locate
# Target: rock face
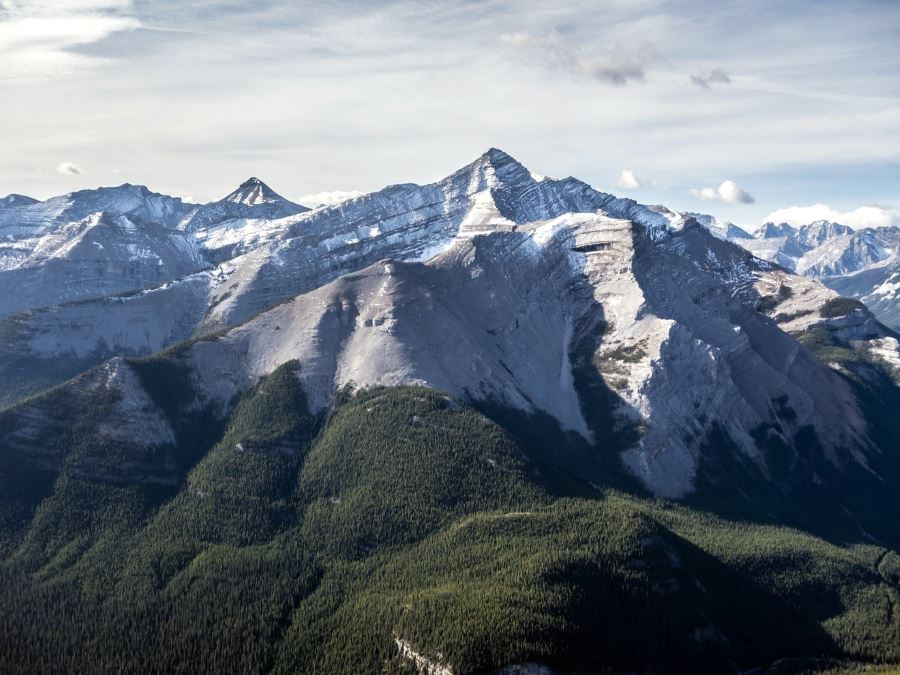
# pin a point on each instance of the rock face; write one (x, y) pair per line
(95, 243)
(124, 418)
(856, 263)
(632, 327)
(258, 262)
(878, 286)
(91, 243)
(498, 315)
(98, 255)
(722, 229)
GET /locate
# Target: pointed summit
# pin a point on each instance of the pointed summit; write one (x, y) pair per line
(497, 155)
(495, 169)
(252, 199)
(253, 192)
(502, 161)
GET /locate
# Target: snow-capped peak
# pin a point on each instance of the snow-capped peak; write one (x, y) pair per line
(771, 231)
(496, 168)
(720, 228)
(253, 199)
(820, 231)
(253, 192)
(16, 200)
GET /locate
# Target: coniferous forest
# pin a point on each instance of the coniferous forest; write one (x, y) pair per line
(400, 530)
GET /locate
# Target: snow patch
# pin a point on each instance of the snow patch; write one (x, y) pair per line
(423, 664)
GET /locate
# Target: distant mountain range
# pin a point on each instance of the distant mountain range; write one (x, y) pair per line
(862, 264)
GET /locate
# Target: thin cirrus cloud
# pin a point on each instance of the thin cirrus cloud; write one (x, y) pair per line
(313, 94)
(68, 169)
(629, 180)
(861, 217)
(37, 36)
(554, 52)
(706, 80)
(728, 191)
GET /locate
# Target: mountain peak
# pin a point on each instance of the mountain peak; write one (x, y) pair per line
(722, 229)
(829, 225)
(500, 160)
(252, 192)
(771, 230)
(17, 200)
(497, 155)
(495, 168)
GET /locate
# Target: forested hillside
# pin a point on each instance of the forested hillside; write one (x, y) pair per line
(401, 529)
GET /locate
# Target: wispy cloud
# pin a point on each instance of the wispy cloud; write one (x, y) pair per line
(706, 80)
(863, 216)
(37, 36)
(68, 169)
(313, 94)
(554, 51)
(728, 191)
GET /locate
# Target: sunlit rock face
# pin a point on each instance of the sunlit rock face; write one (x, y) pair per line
(493, 284)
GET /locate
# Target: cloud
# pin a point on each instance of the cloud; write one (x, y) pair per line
(37, 36)
(863, 216)
(555, 52)
(329, 198)
(715, 76)
(728, 191)
(628, 180)
(312, 95)
(68, 169)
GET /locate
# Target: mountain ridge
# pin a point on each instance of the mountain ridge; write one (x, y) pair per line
(499, 423)
(863, 263)
(493, 220)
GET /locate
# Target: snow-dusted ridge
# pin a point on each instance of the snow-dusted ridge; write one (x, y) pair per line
(856, 263)
(492, 284)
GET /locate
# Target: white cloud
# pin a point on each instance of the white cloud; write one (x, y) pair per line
(715, 76)
(37, 36)
(864, 216)
(554, 51)
(68, 169)
(310, 94)
(728, 191)
(328, 198)
(628, 180)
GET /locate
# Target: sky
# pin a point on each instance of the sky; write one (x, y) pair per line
(745, 109)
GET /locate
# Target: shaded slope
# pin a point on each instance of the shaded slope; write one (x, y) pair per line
(415, 525)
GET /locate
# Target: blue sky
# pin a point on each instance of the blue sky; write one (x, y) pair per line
(740, 109)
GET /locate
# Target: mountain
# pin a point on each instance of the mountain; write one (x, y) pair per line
(16, 200)
(252, 200)
(91, 243)
(823, 249)
(878, 286)
(773, 231)
(253, 192)
(273, 260)
(100, 254)
(134, 200)
(497, 423)
(724, 230)
(857, 263)
(164, 234)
